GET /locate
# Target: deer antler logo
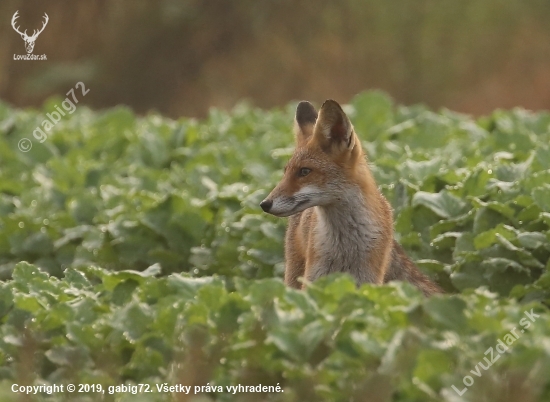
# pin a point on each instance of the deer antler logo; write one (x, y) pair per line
(29, 40)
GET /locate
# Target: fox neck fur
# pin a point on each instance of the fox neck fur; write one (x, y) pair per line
(347, 234)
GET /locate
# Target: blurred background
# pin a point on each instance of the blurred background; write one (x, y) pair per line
(181, 57)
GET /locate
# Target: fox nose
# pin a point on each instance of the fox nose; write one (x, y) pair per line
(266, 205)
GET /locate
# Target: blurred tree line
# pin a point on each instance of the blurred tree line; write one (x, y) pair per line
(182, 56)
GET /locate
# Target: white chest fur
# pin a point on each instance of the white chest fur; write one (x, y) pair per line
(344, 237)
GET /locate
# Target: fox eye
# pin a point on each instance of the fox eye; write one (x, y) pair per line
(304, 172)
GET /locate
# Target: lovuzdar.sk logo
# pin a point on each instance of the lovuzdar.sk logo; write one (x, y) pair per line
(29, 39)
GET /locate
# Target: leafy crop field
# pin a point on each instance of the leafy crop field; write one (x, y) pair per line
(134, 258)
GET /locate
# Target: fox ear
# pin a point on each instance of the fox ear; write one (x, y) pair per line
(334, 127)
(306, 116)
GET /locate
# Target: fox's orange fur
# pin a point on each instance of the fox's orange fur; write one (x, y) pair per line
(339, 221)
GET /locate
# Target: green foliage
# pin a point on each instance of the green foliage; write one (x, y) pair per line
(149, 261)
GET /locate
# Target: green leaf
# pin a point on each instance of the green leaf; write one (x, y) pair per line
(487, 239)
(532, 240)
(448, 312)
(541, 196)
(132, 320)
(443, 204)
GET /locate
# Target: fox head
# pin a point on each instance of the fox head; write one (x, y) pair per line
(324, 164)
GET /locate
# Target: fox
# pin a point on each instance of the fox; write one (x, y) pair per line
(338, 220)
